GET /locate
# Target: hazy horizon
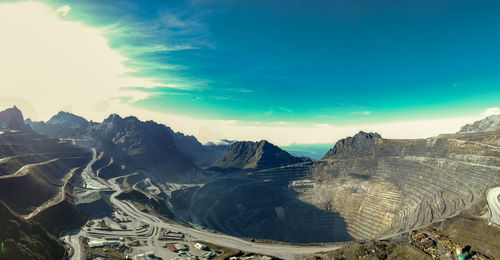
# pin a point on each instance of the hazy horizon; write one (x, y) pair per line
(296, 74)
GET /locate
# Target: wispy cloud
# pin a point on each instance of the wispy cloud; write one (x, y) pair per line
(63, 10)
(240, 90)
(134, 50)
(491, 111)
(362, 113)
(149, 44)
(326, 116)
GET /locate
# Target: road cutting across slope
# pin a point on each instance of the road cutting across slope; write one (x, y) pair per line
(494, 205)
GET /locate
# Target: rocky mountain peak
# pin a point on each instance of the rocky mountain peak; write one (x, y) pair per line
(112, 118)
(253, 155)
(69, 120)
(12, 118)
(489, 123)
(360, 144)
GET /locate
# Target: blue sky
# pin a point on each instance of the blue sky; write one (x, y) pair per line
(309, 61)
(304, 62)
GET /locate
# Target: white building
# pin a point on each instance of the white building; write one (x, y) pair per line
(200, 246)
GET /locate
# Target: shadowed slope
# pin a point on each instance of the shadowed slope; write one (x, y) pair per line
(25, 239)
(256, 155)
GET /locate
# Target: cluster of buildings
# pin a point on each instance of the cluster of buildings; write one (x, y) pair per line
(95, 243)
(170, 235)
(429, 238)
(183, 252)
(424, 243)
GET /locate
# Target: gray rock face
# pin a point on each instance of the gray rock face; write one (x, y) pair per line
(68, 120)
(256, 155)
(398, 185)
(140, 145)
(366, 187)
(360, 144)
(67, 125)
(489, 123)
(12, 119)
(62, 125)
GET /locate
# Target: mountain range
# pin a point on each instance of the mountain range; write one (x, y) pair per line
(365, 187)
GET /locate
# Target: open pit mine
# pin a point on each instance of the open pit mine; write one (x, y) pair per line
(127, 188)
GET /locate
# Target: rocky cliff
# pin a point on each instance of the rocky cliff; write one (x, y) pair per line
(365, 187)
(384, 186)
(361, 144)
(256, 155)
(131, 143)
(12, 119)
(489, 123)
(67, 125)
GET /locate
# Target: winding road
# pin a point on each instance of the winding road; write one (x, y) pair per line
(74, 241)
(58, 198)
(279, 250)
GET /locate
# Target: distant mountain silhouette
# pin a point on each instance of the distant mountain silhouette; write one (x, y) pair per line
(256, 155)
(12, 119)
(61, 125)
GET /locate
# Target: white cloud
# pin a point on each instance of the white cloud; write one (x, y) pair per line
(49, 64)
(63, 10)
(285, 133)
(53, 64)
(134, 50)
(491, 111)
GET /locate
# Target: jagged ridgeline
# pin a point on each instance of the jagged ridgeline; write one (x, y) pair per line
(256, 155)
(133, 144)
(365, 187)
(382, 186)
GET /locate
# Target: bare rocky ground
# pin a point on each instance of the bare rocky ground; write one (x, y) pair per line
(469, 230)
(366, 188)
(373, 251)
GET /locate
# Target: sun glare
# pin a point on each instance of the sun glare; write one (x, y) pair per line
(58, 64)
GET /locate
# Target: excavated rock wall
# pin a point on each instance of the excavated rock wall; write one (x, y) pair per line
(403, 184)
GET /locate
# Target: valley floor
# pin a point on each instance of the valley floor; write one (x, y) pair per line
(145, 229)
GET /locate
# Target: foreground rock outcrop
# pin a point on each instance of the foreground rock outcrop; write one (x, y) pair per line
(23, 239)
